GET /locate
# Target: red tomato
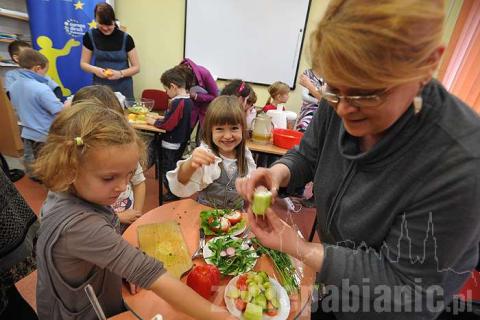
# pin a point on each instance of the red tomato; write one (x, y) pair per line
(202, 279)
(271, 310)
(234, 217)
(242, 282)
(214, 273)
(240, 304)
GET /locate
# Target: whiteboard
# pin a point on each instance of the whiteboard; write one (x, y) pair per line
(258, 41)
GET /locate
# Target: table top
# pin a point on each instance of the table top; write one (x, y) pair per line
(265, 148)
(187, 214)
(147, 127)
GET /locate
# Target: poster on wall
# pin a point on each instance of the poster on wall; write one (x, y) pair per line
(57, 28)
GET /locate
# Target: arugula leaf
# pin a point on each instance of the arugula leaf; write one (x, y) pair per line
(242, 261)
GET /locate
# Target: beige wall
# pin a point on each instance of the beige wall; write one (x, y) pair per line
(158, 30)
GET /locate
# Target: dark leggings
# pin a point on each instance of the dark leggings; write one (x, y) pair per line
(17, 307)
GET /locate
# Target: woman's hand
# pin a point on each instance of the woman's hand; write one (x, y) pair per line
(99, 72)
(259, 177)
(116, 74)
(275, 233)
(200, 157)
(129, 216)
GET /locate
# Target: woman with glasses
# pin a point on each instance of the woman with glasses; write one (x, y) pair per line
(395, 163)
(114, 53)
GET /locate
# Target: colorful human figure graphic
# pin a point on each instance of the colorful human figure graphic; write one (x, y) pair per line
(47, 49)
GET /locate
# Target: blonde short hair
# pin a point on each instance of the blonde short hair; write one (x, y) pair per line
(276, 88)
(74, 132)
(373, 44)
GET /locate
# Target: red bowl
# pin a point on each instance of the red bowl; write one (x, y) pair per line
(286, 138)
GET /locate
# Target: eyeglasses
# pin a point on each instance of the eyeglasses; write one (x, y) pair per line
(364, 101)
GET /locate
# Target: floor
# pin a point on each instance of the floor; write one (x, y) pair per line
(35, 193)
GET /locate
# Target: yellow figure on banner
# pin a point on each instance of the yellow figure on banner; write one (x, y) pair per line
(47, 49)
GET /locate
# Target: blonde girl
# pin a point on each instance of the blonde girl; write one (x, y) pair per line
(279, 93)
(129, 205)
(212, 168)
(89, 157)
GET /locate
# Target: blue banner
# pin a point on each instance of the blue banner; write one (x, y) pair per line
(57, 28)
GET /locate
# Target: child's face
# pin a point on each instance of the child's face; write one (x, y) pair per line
(282, 97)
(105, 173)
(227, 137)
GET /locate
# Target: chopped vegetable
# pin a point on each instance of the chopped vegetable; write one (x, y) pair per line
(283, 266)
(254, 295)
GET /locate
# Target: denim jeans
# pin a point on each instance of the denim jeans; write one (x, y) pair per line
(30, 153)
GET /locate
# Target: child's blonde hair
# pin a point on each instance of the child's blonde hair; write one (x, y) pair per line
(101, 95)
(276, 89)
(75, 132)
(226, 110)
(374, 44)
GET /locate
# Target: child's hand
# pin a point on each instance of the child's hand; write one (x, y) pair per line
(129, 216)
(306, 82)
(151, 120)
(134, 289)
(200, 157)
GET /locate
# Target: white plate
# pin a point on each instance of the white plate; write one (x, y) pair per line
(207, 253)
(283, 299)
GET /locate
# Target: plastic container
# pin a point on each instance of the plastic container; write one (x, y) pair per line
(285, 138)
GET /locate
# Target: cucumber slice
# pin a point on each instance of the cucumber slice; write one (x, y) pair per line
(262, 199)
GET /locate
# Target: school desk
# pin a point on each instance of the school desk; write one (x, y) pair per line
(157, 140)
(269, 148)
(187, 214)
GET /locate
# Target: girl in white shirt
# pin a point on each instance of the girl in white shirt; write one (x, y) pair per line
(212, 168)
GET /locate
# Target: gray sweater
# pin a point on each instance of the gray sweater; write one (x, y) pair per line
(78, 244)
(402, 216)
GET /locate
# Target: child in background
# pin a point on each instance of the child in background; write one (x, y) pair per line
(176, 122)
(89, 157)
(129, 205)
(246, 96)
(35, 103)
(223, 156)
(311, 96)
(279, 92)
(14, 49)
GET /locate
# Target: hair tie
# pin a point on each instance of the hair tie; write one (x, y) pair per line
(78, 141)
(240, 89)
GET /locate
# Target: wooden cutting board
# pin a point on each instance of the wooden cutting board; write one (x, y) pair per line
(165, 242)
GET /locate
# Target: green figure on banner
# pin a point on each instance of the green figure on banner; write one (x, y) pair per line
(47, 49)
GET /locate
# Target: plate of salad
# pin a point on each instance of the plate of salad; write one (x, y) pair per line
(256, 296)
(231, 255)
(217, 222)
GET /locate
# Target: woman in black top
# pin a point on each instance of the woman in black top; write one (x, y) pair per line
(115, 58)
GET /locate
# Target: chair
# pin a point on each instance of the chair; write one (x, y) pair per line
(160, 97)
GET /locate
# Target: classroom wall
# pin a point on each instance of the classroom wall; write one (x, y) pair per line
(158, 30)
